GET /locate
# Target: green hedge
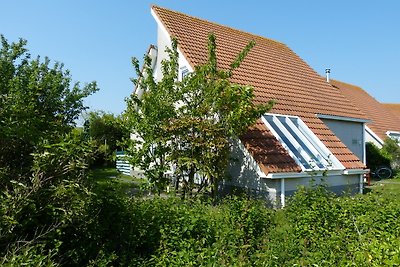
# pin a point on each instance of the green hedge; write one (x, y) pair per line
(316, 229)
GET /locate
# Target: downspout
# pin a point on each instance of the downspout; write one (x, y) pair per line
(364, 160)
(282, 192)
(364, 147)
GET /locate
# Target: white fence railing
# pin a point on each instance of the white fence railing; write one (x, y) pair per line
(122, 165)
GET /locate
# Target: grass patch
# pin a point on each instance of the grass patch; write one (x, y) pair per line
(103, 173)
(387, 185)
(110, 178)
(394, 187)
(396, 175)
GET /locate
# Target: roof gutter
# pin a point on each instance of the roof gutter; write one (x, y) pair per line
(355, 171)
(342, 118)
(309, 174)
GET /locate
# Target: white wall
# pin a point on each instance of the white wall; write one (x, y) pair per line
(163, 41)
(337, 183)
(245, 174)
(350, 133)
(371, 138)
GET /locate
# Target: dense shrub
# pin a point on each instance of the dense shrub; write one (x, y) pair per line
(105, 131)
(201, 234)
(391, 150)
(104, 227)
(35, 210)
(375, 157)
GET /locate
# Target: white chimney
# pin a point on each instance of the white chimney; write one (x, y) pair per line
(327, 72)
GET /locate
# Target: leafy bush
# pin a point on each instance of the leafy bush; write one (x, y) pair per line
(38, 102)
(391, 150)
(376, 157)
(105, 131)
(36, 209)
(29, 255)
(108, 228)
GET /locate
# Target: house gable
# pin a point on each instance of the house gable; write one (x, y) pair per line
(275, 72)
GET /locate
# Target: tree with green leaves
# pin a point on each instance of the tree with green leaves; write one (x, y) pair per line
(43, 161)
(38, 104)
(148, 117)
(190, 124)
(391, 150)
(106, 131)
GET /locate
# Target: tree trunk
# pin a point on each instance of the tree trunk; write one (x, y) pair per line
(214, 187)
(192, 172)
(177, 184)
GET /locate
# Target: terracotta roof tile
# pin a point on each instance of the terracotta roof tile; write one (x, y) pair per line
(275, 72)
(381, 119)
(394, 108)
(264, 147)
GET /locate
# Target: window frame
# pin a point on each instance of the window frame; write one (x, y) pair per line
(394, 135)
(307, 145)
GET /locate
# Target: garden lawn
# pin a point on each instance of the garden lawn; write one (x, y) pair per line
(389, 185)
(104, 177)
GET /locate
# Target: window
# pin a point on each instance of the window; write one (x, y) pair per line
(184, 72)
(301, 143)
(394, 135)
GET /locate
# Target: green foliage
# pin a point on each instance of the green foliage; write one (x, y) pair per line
(37, 210)
(200, 234)
(29, 255)
(375, 157)
(37, 102)
(388, 155)
(43, 162)
(391, 150)
(189, 124)
(106, 131)
(317, 229)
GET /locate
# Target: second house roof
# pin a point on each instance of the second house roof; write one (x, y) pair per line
(381, 118)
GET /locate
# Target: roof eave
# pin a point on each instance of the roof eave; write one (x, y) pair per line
(310, 174)
(167, 33)
(342, 118)
(374, 135)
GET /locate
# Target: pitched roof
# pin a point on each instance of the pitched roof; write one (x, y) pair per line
(394, 108)
(275, 72)
(381, 119)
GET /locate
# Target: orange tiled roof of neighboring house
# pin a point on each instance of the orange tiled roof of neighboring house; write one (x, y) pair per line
(381, 119)
(275, 72)
(394, 108)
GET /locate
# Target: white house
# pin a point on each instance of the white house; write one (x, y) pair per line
(302, 137)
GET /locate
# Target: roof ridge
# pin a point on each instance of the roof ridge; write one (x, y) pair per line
(382, 118)
(219, 24)
(346, 83)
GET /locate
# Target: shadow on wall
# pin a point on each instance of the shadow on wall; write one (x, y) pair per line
(244, 177)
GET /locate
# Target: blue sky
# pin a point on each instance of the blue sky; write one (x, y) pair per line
(358, 40)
